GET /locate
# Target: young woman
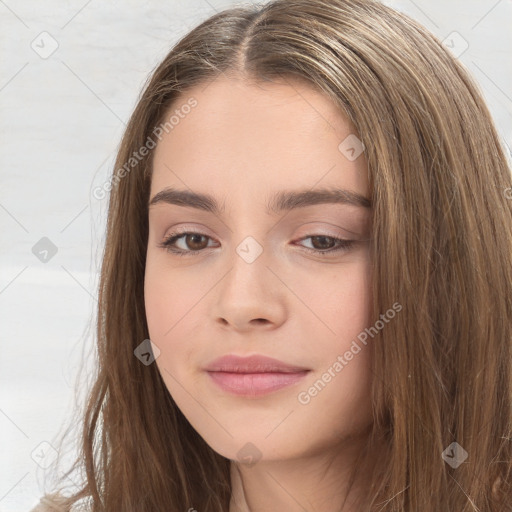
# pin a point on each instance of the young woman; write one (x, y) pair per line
(306, 290)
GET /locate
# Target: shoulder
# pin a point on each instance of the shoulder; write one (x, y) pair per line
(51, 503)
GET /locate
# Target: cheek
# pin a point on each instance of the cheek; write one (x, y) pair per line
(339, 303)
(160, 303)
(174, 303)
(338, 394)
(170, 297)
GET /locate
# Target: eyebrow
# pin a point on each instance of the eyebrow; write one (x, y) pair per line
(281, 201)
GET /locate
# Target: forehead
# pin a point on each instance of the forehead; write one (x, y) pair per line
(249, 139)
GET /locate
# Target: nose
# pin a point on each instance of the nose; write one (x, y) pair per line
(250, 296)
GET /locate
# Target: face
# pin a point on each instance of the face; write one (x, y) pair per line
(289, 280)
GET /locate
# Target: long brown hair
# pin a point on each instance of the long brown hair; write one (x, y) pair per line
(441, 246)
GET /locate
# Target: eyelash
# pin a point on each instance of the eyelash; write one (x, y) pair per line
(167, 244)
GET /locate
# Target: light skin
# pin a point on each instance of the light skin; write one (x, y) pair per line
(241, 144)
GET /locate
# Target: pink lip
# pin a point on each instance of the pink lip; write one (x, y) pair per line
(254, 375)
(252, 364)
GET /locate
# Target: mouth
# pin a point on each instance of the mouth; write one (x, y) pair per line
(253, 376)
(255, 384)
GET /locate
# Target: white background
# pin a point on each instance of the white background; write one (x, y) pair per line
(61, 119)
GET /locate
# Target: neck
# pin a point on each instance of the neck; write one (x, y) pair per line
(319, 482)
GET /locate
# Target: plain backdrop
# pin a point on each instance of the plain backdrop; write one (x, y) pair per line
(70, 75)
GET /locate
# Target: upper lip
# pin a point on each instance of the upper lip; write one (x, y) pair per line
(252, 364)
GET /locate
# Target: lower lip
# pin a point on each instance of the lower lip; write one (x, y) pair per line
(254, 384)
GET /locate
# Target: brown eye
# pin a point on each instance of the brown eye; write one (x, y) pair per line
(321, 242)
(191, 242)
(325, 245)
